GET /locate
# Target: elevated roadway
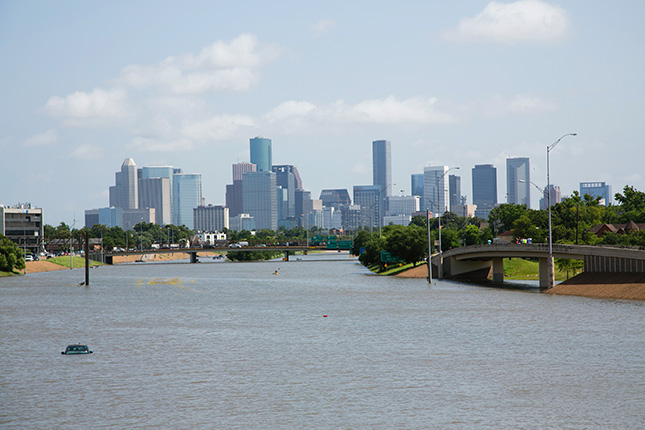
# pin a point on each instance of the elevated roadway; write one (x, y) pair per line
(477, 262)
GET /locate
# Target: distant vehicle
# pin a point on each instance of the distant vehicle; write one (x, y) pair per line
(243, 243)
(76, 349)
(29, 257)
(235, 245)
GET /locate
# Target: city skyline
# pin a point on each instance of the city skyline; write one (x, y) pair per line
(457, 84)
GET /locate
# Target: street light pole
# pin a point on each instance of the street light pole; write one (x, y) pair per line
(439, 274)
(380, 202)
(550, 270)
(429, 247)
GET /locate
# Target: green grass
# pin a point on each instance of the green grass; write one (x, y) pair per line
(521, 269)
(3, 274)
(78, 262)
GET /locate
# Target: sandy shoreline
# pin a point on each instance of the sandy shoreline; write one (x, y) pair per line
(601, 286)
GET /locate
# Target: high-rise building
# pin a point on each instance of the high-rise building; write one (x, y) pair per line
(484, 189)
(454, 189)
(518, 181)
(125, 193)
(402, 205)
(303, 205)
(417, 184)
(261, 154)
(382, 166)
(211, 218)
(155, 193)
(597, 189)
(555, 197)
(335, 198)
(435, 188)
(286, 178)
(368, 198)
(259, 198)
(187, 195)
(241, 168)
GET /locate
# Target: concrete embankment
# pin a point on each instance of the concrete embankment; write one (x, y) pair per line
(628, 286)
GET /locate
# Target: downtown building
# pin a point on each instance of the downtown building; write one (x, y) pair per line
(484, 178)
(23, 225)
(435, 189)
(597, 189)
(210, 218)
(518, 181)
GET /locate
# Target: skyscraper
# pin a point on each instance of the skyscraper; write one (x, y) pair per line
(234, 190)
(367, 197)
(435, 189)
(417, 185)
(335, 198)
(259, 198)
(597, 189)
(261, 153)
(187, 195)
(454, 188)
(155, 193)
(484, 189)
(286, 178)
(555, 197)
(518, 181)
(125, 193)
(382, 166)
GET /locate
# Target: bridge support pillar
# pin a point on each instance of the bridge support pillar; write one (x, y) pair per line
(498, 270)
(544, 273)
(193, 257)
(286, 256)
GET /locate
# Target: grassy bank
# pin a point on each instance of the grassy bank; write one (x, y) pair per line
(77, 262)
(521, 269)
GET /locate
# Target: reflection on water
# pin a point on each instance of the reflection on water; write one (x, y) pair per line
(232, 345)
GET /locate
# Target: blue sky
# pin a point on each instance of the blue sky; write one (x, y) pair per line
(87, 84)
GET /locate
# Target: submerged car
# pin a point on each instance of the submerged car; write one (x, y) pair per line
(76, 349)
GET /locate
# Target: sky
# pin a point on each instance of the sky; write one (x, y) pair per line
(85, 85)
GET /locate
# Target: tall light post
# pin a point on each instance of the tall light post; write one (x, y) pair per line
(440, 213)
(429, 249)
(551, 273)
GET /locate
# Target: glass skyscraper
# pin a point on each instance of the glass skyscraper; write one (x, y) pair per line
(519, 193)
(484, 189)
(187, 195)
(435, 189)
(125, 193)
(597, 189)
(261, 154)
(259, 198)
(382, 166)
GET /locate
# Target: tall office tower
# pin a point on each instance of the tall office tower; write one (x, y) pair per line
(211, 218)
(241, 168)
(555, 197)
(518, 185)
(597, 189)
(261, 154)
(382, 166)
(335, 198)
(367, 197)
(259, 198)
(234, 190)
(125, 193)
(417, 185)
(286, 178)
(155, 193)
(187, 195)
(454, 189)
(403, 205)
(484, 189)
(351, 217)
(303, 205)
(435, 189)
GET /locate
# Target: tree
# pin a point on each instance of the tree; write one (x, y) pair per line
(632, 205)
(470, 235)
(409, 244)
(11, 257)
(503, 216)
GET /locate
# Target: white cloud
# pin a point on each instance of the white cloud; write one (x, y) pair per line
(147, 144)
(97, 104)
(520, 21)
(221, 66)
(49, 137)
(498, 106)
(390, 110)
(218, 127)
(323, 26)
(87, 152)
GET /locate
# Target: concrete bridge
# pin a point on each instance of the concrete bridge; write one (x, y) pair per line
(478, 261)
(192, 252)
